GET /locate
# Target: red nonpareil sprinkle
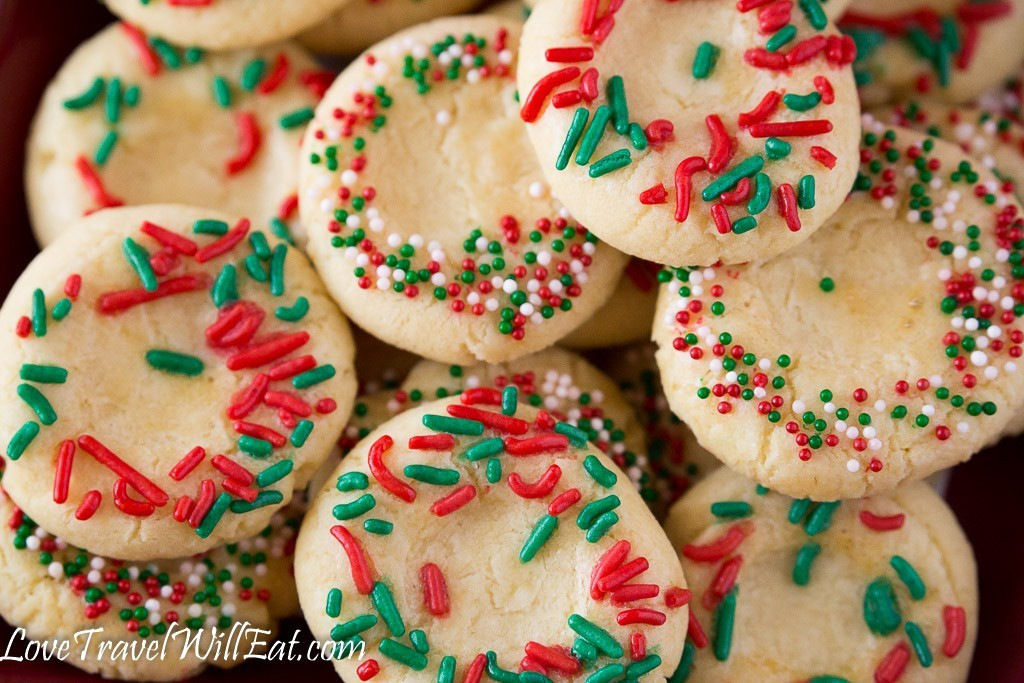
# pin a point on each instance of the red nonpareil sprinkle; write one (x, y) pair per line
(150, 62)
(289, 205)
(72, 286)
(955, 619)
(453, 501)
(188, 462)
(761, 111)
(250, 397)
(542, 487)
(383, 475)
(276, 76)
(169, 239)
(435, 590)
(824, 88)
(722, 145)
(232, 469)
(544, 443)
(90, 503)
(563, 501)
(617, 577)
(239, 490)
(476, 670)
(182, 509)
(721, 217)
(498, 421)
(588, 84)
(292, 367)
(267, 352)
(607, 563)
(23, 327)
(823, 156)
(432, 442)
(720, 547)
(249, 139)
(791, 129)
(684, 185)
(207, 494)
(580, 53)
(481, 396)
(893, 664)
(288, 401)
(225, 244)
(786, 198)
(544, 87)
(879, 523)
(632, 592)
(94, 185)
(696, 632)
(62, 475)
(677, 597)
(259, 431)
(368, 669)
(113, 302)
(637, 646)
(550, 658)
(723, 582)
(361, 575)
(651, 617)
(128, 505)
(153, 493)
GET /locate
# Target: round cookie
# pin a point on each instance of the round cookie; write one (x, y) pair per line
(131, 119)
(628, 315)
(361, 23)
(883, 350)
(880, 588)
(750, 172)
(455, 266)
(945, 50)
(442, 578)
(55, 591)
(216, 379)
(223, 24)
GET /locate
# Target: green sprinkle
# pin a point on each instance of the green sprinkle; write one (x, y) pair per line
(112, 103)
(596, 636)
(131, 96)
(225, 287)
(527, 676)
(493, 471)
(732, 509)
(88, 97)
(540, 534)
(827, 284)
(296, 312)
(21, 439)
(637, 669)
(357, 508)
(804, 559)
(920, 643)
(263, 499)
(637, 137)
(761, 490)
(352, 481)
(432, 475)
(384, 602)
(814, 13)
(805, 198)
(278, 227)
(350, 628)
(595, 509)
(482, 449)
(277, 269)
(762, 194)
(802, 102)
(598, 472)
(828, 679)
(797, 509)
(255, 269)
(274, 473)
(212, 518)
(577, 437)
(252, 74)
(777, 148)
(496, 672)
(301, 432)
(333, 607)
(881, 611)
(257, 448)
(509, 400)
(781, 37)
(572, 137)
(446, 671)
(299, 117)
(453, 425)
(601, 526)
(909, 576)
(221, 92)
(209, 226)
(61, 309)
(607, 673)
(595, 131)
(38, 403)
(379, 527)
(727, 181)
(682, 671)
(704, 60)
(618, 104)
(419, 641)
(313, 377)
(105, 148)
(138, 259)
(821, 518)
(584, 650)
(174, 362)
(725, 615)
(167, 53)
(43, 374)
(259, 244)
(744, 224)
(613, 162)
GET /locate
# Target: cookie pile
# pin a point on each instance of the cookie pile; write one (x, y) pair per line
(812, 208)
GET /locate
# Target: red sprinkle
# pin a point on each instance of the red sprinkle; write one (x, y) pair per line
(823, 156)
(696, 632)
(250, 397)
(721, 217)
(368, 669)
(435, 590)
(634, 591)
(275, 78)
(791, 129)
(544, 443)
(239, 490)
(723, 582)
(94, 185)
(544, 87)
(127, 504)
(73, 285)
(893, 664)
(288, 401)
(502, 423)
(955, 619)
(248, 143)
(169, 239)
(188, 462)
(148, 58)
(569, 54)
(684, 186)
(563, 501)
(292, 367)
(551, 658)
(721, 547)
(721, 144)
(104, 456)
(90, 503)
(267, 352)
(24, 326)
(232, 469)
(383, 475)
(225, 243)
(476, 670)
(651, 617)
(260, 432)
(588, 85)
(361, 575)
(453, 501)
(824, 88)
(637, 646)
(182, 509)
(608, 562)
(677, 597)
(616, 577)
(654, 195)
(542, 487)
(113, 302)
(207, 493)
(432, 442)
(786, 198)
(481, 396)
(62, 476)
(877, 523)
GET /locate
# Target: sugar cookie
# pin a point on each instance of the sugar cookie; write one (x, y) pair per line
(880, 588)
(221, 24)
(216, 378)
(881, 351)
(361, 23)
(131, 119)
(463, 536)
(765, 157)
(628, 315)
(455, 265)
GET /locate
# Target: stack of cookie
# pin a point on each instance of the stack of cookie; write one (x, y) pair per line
(818, 227)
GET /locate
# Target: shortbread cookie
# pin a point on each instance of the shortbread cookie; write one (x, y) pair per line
(463, 537)
(692, 133)
(628, 315)
(361, 23)
(173, 375)
(883, 350)
(131, 119)
(880, 588)
(944, 50)
(55, 591)
(222, 24)
(426, 212)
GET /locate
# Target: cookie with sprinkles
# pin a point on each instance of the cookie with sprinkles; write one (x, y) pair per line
(216, 377)
(732, 136)
(54, 590)
(627, 316)
(223, 24)
(131, 119)
(948, 50)
(358, 24)
(881, 588)
(426, 211)
(883, 350)
(466, 537)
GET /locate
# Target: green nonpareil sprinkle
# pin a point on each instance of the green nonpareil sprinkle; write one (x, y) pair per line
(598, 472)
(572, 138)
(540, 534)
(61, 309)
(380, 527)
(174, 362)
(453, 425)
(704, 61)
(213, 517)
(595, 509)
(509, 400)
(797, 509)
(274, 473)
(301, 432)
(827, 284)
(607, 673)
(255, 269)
(257, 448)
(385, 605)
(352, 627)
(483, 449)
(613, 162)
(88, 97)
(112, 102)
(314, 376)
(762, 194)
(909, 576)
(744, 224)
(920, 643)
(297, 118)
(804, 559)
(725, 615)
(596, 636)
(22, 439)
(493, 471)
(222, 92)
(418, 638)
(105, 148)
(403, 654)
(601, 526)
(138, 259)
(815, 14)
(225, 287)
(802, 102)
(38, 403)
(252, 74)
(881, 611)
(277, 269)
(168, 53)
(780, 38)
(577, 437)
(259, 244)
(43, 374)
(333, 607)
(210, 226)
(497, 673)
(432, 475)
(637, 137)
(777, 148)
(732, 509)
(618, 104)
(727, 181)
(353, 481)
(593, 135)
(446, 671)
(263, 499)
(357, 508)
(821, 518)
(295, 312)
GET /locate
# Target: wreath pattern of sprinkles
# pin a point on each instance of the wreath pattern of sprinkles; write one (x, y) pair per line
(746, 183)
(555, 254)
(282, 379)
(983, 299)
(898, 582)
(482, 428)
